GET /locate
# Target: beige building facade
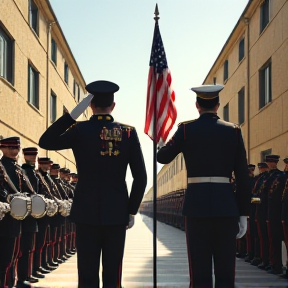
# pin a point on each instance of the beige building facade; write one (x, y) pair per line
(39, 77)
(253, 65)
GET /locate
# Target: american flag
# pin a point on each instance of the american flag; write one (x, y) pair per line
(160, 96)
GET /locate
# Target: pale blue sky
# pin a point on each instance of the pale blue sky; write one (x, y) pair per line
(111, 40)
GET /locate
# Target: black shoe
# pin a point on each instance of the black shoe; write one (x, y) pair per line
(256, 261)
(38, 275)
(49, 268)
(31, 279)
(240, 255)
(268, 267)
(43, 270)
(21, 284)
(284, 275)
(67, 255)
(74, 250)
(53, 264)
(275, 271)
(60, 261)
(70, 252)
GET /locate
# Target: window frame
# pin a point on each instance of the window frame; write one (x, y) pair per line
(226, 70)
(7, 71)
(241, 113)
(263, 101)
(241, 55)
(33, 18)
(53, 51)
(53, 107)
(264, 14)
(66, 72)
(34, 99)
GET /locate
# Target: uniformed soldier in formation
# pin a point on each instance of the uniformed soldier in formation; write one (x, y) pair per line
(275, 185)
(285, 160)
(59, 246)
(74, 179)
(211, 208)
(252, 235)
(13, 180)
(29, 224)
(101, 205)
(261, 225)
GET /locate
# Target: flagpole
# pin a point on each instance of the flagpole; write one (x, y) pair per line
(156, 18)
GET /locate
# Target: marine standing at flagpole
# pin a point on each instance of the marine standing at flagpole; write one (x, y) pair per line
(211, 207)
(102, 208)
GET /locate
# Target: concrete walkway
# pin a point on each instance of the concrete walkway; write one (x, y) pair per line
(172, 264)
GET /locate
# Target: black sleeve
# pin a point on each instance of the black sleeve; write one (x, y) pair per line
(243, 189)
(138, 170)
(174, 146)
(57, 137)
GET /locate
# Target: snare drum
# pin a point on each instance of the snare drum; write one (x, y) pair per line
(20, 207)
(64, 208)
(52, 207)
(39, 206)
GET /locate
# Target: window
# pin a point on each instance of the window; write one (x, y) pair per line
(6, 61)
(265, 91)
(66, 70)
(54, 51)
(33, 86)
(226, 112)
(241, 106)
(241, 49)
(33, 16)
(78, 93)
(265, 153)
(53, 105)
(74, 88)
(226, 70)
(264, 14)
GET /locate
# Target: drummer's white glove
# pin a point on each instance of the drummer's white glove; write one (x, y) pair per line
(81, 107)
(131, 222)
(242, 227)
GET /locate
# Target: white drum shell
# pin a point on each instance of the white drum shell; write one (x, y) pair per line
(39, 206)
(20, 207)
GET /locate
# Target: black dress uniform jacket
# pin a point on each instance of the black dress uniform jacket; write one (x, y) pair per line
(101, 195)
(211, 147)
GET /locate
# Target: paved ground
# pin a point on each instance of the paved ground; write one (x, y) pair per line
(172, 262)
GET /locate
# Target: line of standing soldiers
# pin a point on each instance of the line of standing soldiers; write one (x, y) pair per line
(268, 220)
(33, 247)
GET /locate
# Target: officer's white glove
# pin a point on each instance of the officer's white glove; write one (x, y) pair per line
(80, 107)
(242, 227)
(131, 222)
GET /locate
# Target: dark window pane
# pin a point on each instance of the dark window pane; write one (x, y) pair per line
(66, 72)
(226, 70)
(54, 51)
(241, 49)
(241, 106)
(33, 91)
(33, 16)
(53, 105)
(265, 89)
(264, 15)
(6, 61)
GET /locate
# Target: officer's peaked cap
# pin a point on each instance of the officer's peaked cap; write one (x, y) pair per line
(208, 92)
(103, 92)
(251, 166)
(30, 151)
(55, 166)
(272, 158)
(44, 160)
(262, 165)
(10, 141)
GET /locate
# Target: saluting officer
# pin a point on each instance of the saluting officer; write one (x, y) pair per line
(211, 208)
(101, 205)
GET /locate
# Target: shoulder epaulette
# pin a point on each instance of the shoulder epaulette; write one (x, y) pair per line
(187, 122)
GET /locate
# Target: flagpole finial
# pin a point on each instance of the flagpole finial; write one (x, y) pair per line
(156, 13)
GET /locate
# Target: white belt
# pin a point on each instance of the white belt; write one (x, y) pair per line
(214, 179)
